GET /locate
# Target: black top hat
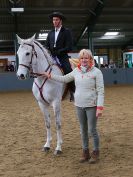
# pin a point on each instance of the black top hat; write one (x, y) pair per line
(57, 14)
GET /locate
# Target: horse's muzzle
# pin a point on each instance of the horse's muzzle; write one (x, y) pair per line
(21, 76)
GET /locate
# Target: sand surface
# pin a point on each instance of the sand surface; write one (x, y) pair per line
(22, 136)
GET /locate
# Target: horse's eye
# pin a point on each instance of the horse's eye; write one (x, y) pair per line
(27, 53)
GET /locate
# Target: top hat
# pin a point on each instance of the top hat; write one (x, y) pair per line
(57, 14)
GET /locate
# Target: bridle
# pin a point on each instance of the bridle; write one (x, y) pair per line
(32, 74)
(34, 53)
(35, 75)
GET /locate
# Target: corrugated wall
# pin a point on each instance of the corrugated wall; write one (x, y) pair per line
(120, 76)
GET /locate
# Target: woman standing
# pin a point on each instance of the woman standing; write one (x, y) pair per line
(89, 100)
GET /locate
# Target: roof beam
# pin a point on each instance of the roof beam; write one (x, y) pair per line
(130, 42)
(105, 29)
(92, 20)
(46, 11)
(115, 10)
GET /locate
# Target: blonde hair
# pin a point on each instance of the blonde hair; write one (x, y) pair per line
(87, 52)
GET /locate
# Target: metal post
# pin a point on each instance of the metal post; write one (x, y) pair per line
(15, 39)
(90, 42)
(14, 4)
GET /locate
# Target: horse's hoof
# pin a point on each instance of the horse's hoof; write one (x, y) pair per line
(57, 152)
(46, 149)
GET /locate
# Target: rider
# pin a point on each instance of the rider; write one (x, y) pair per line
(59, 43)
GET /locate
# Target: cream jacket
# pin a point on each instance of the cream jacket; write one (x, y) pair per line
(89, 86)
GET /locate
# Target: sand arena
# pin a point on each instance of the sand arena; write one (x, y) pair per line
(22, 135)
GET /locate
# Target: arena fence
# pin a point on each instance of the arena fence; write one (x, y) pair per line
(118, 76)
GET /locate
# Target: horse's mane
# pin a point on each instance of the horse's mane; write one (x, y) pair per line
(46, 52)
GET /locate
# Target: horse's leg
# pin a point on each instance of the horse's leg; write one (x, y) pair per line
(57, 113)
(45, 111)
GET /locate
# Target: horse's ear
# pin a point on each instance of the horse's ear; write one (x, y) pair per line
(33, 37)
(19, 39)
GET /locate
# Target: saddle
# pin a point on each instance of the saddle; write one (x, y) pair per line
(74, 62)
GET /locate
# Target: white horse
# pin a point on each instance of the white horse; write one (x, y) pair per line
(33, 56)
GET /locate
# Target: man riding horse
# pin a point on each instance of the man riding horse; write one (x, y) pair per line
(59, 42)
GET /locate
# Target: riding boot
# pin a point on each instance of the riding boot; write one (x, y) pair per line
(85, 156)
(71, 96)
(71, 87)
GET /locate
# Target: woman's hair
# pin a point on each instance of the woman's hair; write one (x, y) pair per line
(87, 52)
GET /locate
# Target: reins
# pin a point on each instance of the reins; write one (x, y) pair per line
(41, 88)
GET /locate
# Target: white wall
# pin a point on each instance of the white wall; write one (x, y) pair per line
(73, 55)
(10, 57)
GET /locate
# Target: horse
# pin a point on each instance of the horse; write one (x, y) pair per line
(34, 59)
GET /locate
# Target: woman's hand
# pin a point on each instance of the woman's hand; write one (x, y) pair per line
(99, 111)
(46, 74)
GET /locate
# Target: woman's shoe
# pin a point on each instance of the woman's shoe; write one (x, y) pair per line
(85, 156)
(94, 157)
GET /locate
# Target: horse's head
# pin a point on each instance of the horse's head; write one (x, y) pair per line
(25, 53)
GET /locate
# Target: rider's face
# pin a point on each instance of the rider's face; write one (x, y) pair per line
(57, 22)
